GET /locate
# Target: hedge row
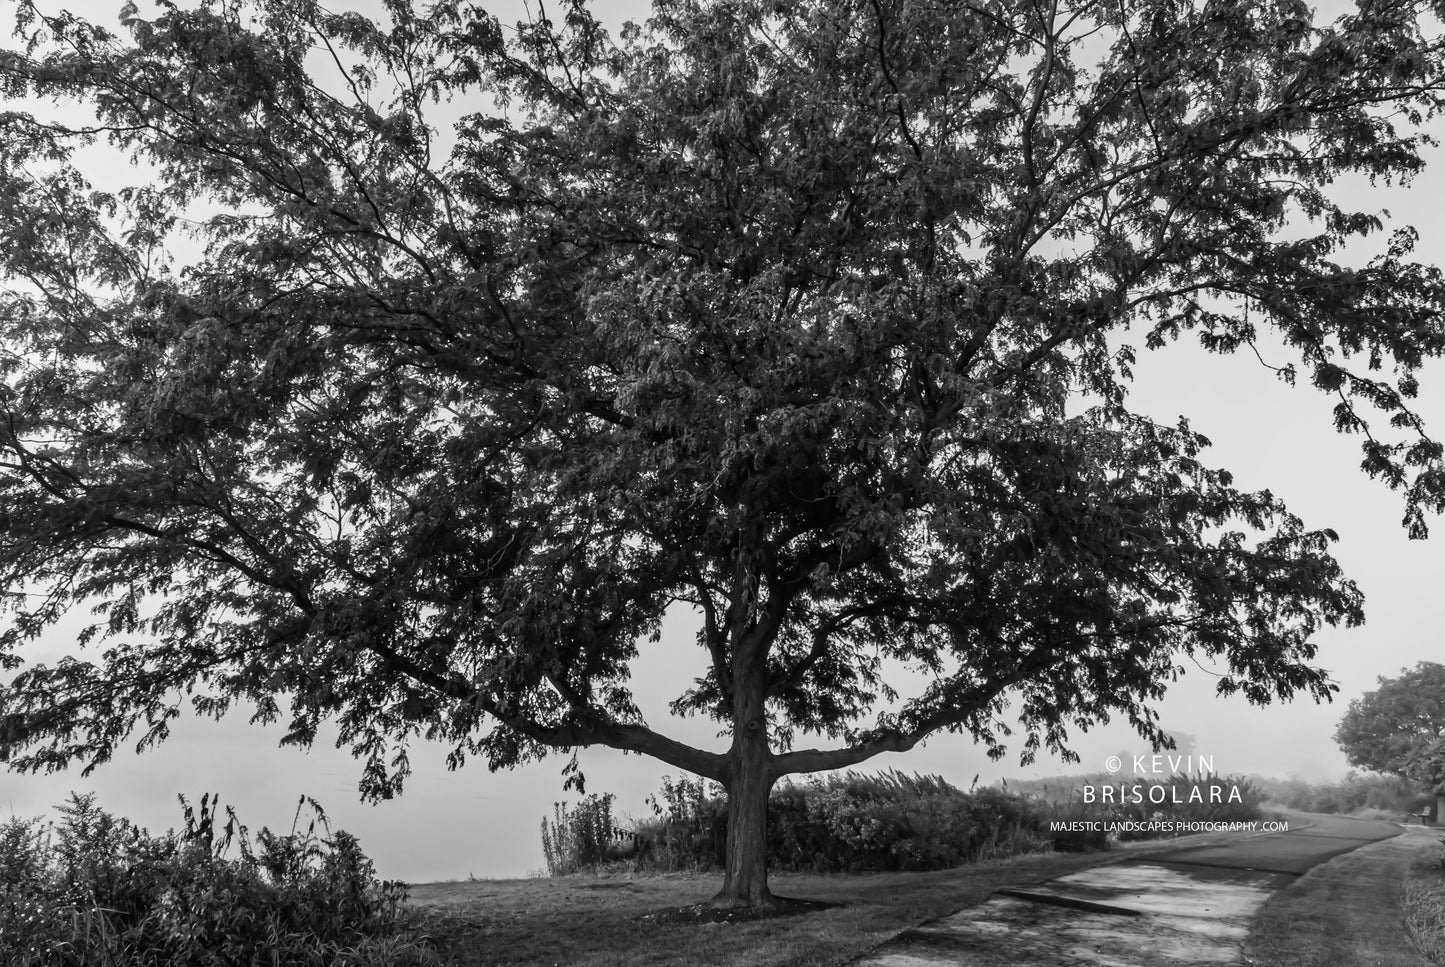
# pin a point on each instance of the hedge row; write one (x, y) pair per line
(840, 823)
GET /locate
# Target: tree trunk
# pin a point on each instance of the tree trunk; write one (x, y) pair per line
(748, 781)
(746, 882)
(1439, 819)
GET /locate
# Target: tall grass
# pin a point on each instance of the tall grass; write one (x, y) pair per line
(1423, 899)
(93, 890)
(577, 839)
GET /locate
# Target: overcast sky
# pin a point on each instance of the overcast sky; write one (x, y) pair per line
(449, 825)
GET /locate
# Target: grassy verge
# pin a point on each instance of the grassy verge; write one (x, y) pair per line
(602, 921)
(1344, 913)
(1424, 900)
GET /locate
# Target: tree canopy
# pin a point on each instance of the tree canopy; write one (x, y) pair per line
(1399, 728)
(815, 318)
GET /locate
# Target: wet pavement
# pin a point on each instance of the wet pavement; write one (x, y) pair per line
(1187, 906)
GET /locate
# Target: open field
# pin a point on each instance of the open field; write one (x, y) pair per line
(602, 921)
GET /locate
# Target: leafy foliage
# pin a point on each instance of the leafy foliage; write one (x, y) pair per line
(814, 317)
(1399, 728)
(96, 890)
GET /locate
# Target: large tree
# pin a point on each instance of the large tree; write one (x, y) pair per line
(814, 318)
(1399, 729)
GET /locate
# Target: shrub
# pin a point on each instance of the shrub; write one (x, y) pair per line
(1067, 837)
(688, 828)
(890, 821)
(894, 821)
(1179, 798)
(94, 890)
(1356, 792)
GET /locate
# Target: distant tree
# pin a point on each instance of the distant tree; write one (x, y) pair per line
(810, 317)
(1399, 728)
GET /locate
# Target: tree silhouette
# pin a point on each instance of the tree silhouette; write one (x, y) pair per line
(814, 318)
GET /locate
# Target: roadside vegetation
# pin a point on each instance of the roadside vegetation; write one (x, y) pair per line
(93, 890)
(1366, 795)
(1424, 902)
(852, 822)
(1152, 802)
(1361, 794)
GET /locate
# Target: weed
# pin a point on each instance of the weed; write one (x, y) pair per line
(92, 890)
(578, 839)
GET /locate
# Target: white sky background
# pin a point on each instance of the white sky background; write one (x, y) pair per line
(449, 825)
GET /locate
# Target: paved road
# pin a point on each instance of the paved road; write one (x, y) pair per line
(1293, 852)
(1187, 906)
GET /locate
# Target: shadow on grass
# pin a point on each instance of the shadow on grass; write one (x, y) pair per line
(707, 913)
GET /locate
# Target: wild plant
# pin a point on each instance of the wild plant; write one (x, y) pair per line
(577, 839)
(94, 891)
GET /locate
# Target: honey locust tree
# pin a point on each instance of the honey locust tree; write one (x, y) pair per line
(427, 364)
(1399, 729)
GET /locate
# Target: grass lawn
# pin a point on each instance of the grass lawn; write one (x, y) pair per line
(600, 921)
(592, 921)
(1348, 912)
